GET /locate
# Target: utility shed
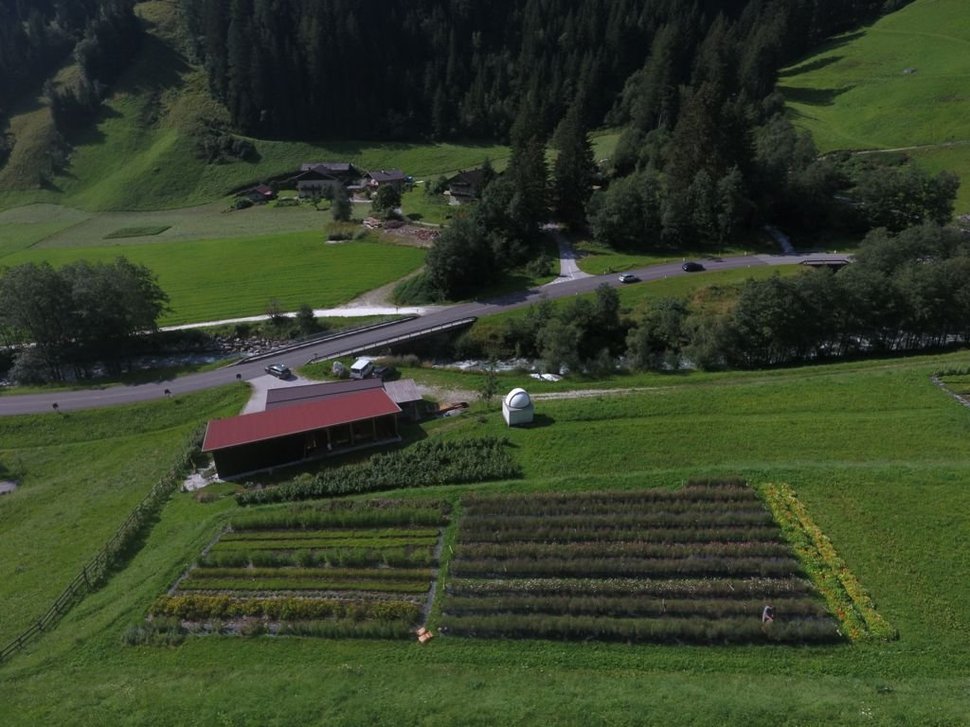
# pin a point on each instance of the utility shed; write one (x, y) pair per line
(517, 408)
(289, 434)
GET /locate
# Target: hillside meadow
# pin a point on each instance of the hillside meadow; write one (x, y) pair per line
(897, 84)
(876, 452)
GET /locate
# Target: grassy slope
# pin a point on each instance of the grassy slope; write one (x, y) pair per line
(81, 474)
(854, 94)
(877, 453)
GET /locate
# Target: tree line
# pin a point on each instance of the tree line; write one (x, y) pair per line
(906, 291)
(71, 319)
(452, 68)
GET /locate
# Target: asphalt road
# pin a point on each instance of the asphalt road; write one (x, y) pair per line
(125, 394)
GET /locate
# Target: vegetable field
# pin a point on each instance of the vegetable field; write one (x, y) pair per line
(342, 569)
(696, 565)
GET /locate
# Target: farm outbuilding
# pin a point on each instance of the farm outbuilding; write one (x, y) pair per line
(308, 430)
(517, 408)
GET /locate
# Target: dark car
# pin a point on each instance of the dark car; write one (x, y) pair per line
(384, 373)
(692, 267)
(628, 278)
(280, 371)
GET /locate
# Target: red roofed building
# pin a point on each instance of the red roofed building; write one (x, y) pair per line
(267, 439)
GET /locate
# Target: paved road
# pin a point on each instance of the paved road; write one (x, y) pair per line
(121, 394)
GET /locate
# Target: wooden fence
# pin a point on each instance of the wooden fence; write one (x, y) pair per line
(97, 569)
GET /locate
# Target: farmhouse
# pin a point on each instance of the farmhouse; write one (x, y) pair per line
(313, 182)
(385, 178)
(305, 429)
(257, 194)
(466, 185)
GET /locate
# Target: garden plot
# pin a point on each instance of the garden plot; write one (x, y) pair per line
(341, 569)
(699, 564)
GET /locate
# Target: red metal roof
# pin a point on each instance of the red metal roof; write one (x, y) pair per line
(330, 412)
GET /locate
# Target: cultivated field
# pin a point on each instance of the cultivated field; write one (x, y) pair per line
(350, 569)
(876, 452)
(698, 565)
(899, 83)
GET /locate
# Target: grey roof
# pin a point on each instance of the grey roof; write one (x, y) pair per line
(402, 391)
(327, 166)
(290, 395)
(387, 175)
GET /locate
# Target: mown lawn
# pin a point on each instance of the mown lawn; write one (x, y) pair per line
(877, 453)
(211, 280)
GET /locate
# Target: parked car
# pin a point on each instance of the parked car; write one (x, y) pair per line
(384, 373)
(692, 267)
(279, 370)
(628, 278)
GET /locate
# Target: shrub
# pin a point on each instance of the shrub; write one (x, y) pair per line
(424, 464)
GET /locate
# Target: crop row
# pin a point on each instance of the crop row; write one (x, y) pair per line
(389, 574)
(311, 518)
(550, 508)
(335, 557)
(286, 544)
(622, 549)
(196, 607)
(645, 630)
(471, 533)
(426, 463)
(766, 588)
(339, 558)
(625, 519)
(578, 501)
(629, 567)
(634, 606)
(368, 534)
(320, 583)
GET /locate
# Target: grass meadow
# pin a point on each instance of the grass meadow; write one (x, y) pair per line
(875, 451)
(899, 83)
(216, 279)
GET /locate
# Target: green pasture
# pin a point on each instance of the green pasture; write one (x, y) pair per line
(217, 279)
(877, 453)
(899, 83)
(599, 258)
(81, 473)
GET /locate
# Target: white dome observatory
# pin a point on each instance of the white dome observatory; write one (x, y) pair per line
(517, 408)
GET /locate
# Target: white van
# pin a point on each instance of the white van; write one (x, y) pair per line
(361, 368)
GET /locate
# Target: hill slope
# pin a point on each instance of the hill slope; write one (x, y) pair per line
(898, 84)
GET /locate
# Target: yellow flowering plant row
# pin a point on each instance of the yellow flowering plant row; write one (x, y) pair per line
(843, 593)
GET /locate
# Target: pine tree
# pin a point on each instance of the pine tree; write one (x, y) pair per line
(573, 169)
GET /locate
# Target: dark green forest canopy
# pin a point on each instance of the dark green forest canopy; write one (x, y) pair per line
(451, 68)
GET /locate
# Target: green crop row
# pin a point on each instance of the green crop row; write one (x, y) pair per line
(625, 567)
(319, 583)
(304, 517)
(350, 629)
(421, 465)
(634, 606)
(335, 558)
(287, 544)
(643, 630)
(768, 588)
(539, 533)
(625, 519)
(846, 597)
(389, 574)
(622, 549)
(198, 607)
(368, 534)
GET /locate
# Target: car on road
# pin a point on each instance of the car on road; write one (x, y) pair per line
(628, 278)
(692, 267)
(279, 370)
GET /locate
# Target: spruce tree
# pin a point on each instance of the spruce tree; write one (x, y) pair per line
(573, 170)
